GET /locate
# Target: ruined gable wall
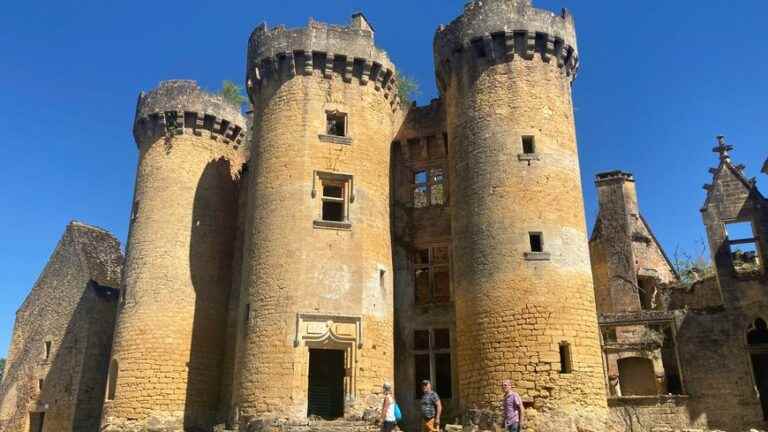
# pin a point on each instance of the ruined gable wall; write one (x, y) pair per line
(69, 307)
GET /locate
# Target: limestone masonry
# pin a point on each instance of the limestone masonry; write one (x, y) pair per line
(282, 265)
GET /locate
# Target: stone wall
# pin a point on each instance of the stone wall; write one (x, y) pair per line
(57, 362)
(515, 307)
(313, 283)
(171, 326)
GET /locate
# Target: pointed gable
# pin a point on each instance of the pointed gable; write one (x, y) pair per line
(730, 191)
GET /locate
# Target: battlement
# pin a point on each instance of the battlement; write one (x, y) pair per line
(497, 30)
(176, 107)
(613, 177)
(347, 51)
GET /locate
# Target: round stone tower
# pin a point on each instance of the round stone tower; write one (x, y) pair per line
(525, 306)
(171, 323)
(317, 265)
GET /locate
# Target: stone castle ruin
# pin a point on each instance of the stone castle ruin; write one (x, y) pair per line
(284, 264)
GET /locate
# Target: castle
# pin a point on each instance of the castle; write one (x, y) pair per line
(281, 266)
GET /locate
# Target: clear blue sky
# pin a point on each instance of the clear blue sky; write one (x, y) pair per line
(658, 81)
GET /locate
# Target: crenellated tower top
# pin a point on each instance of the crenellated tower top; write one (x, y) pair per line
(181, 106)
(348, 51)
(497, 30)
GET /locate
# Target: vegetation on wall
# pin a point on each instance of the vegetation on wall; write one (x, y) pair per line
(407, 88)
(232, 93)
(693, 267)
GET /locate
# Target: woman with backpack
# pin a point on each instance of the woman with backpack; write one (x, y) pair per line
(390, 411)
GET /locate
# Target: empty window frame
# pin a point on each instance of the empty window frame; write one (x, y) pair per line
(429, 187)
(566, 359)
(47, 350)
(743, 247)
(432, 275)
(335, 192)
(336, 123)
(536, 240)
(432, 361)
(112, 381)
(529, 144)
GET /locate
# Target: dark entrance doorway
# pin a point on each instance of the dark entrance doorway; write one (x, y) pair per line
(757, 338)
(326, 383)
(36, 420)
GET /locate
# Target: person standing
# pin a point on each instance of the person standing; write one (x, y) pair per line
(513, 408)
(388, 418)
(431, 408)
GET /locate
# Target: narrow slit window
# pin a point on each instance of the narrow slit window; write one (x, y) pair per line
(537, 241)
(112, 383)
(40, 384)
(48, 350)
(336, 123)
(566, 363)
(247, 317)
(382, 272)
(529, 144)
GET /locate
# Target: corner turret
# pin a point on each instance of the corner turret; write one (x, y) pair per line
(279, 54)
(176, 107)
(496, 30)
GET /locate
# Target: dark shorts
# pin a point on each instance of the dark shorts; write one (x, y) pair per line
(513, 428)
(387, 426)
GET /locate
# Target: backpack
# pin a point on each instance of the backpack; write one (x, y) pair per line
(398, 413)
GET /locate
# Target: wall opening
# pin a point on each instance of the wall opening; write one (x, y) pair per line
(647, 292)
(566, 359)
(333, 202)
(326, 383)
(529, 145)
(47, 353)
(636, 377)
(757, 339)
(432, 275)
(36, 421)
(537, 241)
(432, 361)
(112, 381)
(742, 244)
(336, 123)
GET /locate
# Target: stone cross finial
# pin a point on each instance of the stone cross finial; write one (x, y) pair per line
(722, 147)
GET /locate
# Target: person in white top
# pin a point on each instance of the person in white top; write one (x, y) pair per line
(388, 420)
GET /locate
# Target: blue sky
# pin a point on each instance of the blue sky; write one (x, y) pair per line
(658, 81)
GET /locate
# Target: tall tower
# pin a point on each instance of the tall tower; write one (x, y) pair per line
(317, 265)
(525, 307)
(171, 324)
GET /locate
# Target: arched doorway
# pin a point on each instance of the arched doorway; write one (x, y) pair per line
(757, 340)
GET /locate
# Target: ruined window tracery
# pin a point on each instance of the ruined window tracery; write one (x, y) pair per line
(429, 187)
(432, 275)
(432, 361)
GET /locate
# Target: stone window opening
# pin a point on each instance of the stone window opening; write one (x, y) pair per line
(743, 247)
(647, 292)
(636, 377)
(566, 359)
(382, 272)
(47, 350)
(336, 193)
(336, 123)
(112, 381)
(529, 144)
(40, 384)
(536, 240)
(432, 361)
(246, 318)
(429, 187)
(432, 275)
